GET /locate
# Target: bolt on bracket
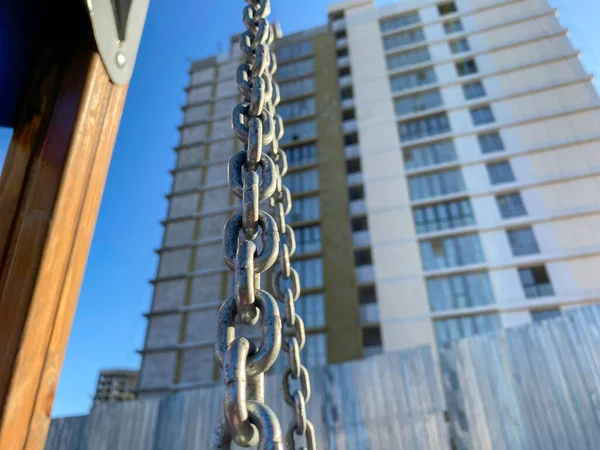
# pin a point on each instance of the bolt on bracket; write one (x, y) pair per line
(118, 26)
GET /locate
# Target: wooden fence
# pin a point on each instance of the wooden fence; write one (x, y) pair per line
(533, 387)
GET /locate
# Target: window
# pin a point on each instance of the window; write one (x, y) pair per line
(446, 8)
(424, 127)
(473, 90)
(353, 165)
(299, 131)
(500, 172)
(359, 224)
(312, 310)
(351, 139)
(304, 181)
(459, 46)
(418, 102)
(340, 34)
(429, 154)
(453, 26)
(511, 205)
(294, 51)
(341, 53)
(403, 39)
(310, 272)
(346, 93)
(362, 257)
(460, 291)
(408, 58)
(308, 239)
(367, 295)
(414, 79)
(295, 69)
(297, 87)
(305, 209)
(348, 114)
(448, 331)
(536, 282)
(400, 21)
(299, 108)
(371, 337)
(436, 184)
(356, 193)
(452, 251)
(490, 142)
(522, 241)
(301, 155)
(466, 67)
(443, 216)
(482, 115)
(344, 72)
(540, 316)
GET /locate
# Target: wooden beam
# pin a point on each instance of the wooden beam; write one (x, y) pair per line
(50, 193)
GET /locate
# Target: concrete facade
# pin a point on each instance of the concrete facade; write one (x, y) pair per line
(459, 164)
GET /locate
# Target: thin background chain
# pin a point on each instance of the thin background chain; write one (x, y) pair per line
(286, 287)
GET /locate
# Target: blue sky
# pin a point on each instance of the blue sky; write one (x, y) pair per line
(109, 326)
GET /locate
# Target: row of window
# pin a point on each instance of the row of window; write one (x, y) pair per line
(299, 131)
(441, 152)
(298, 108)
(418, 102)
(436, 123)
(448, 331)
(303, 181)
(295, 69)
(403, 39)
(474, 289)
(297, 87)
(295, 51)
(410, 18)
(453, 251)
(301, 155)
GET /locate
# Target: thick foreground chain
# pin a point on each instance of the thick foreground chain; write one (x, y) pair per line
(247, 421)
(286, 287)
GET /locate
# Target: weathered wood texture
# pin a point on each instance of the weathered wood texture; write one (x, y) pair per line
(386, 402)
(50, 193)
(532, 387)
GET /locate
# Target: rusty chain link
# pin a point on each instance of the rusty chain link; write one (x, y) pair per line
(247, 421)
(286, 288)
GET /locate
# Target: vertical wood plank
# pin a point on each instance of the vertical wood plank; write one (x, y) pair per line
(50, 193)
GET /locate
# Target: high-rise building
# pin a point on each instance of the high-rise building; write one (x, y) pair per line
(117, 385)
(445, 177)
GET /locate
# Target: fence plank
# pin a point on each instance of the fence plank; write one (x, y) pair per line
(535, 387)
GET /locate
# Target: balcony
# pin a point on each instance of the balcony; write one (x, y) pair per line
(365, 274)
(341, 42)
(361, 238)
(349, 126)
(369, 314)
(343, 61)
(372, 350)
(338, 25)
(358, 207)
(355, 178)
(345, 80)
(347, 103)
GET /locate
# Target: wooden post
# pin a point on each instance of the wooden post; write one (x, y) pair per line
(50, 193)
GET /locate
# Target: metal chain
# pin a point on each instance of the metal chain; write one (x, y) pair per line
(286, 287)
(247, 421)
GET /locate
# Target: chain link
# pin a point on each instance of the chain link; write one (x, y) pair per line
(286, 288)
(247, 421)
